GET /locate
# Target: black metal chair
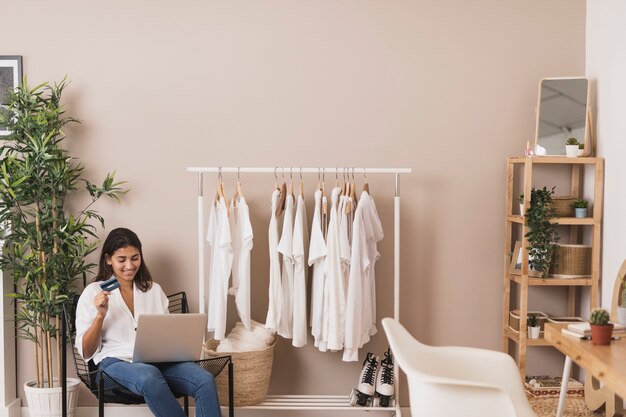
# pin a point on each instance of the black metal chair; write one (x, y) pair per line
(105, 388)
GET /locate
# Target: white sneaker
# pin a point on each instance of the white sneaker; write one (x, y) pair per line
(384, 380)
(367, 379)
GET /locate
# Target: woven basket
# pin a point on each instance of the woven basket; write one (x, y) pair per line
(252, 371)
(571, 261)
(563, 206)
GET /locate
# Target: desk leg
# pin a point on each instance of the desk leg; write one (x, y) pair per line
(566, 371)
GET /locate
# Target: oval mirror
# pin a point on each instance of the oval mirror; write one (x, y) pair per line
(563, 112)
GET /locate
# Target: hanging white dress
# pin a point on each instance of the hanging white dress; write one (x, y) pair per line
(317, 254)
(242, 235)
(360, 321)
(285, 248)
(333, 326)
(221, 266)
(275, 293)
(300, 237)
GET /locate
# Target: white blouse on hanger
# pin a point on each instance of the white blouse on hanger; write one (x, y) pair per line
(242, 235)
(333, 327)
(275, 292)
(300, 237)
(219, 238)
(317, 254)
(360, 321)
(285, 326)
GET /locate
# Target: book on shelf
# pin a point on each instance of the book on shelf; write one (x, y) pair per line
(584, 328)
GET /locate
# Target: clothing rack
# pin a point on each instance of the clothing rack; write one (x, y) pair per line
(310, 402)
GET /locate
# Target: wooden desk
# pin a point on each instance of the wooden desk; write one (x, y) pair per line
(606, 363)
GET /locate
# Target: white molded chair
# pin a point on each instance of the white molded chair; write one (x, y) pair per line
(457, 381)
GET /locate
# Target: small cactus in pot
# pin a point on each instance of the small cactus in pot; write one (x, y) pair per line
(601, 329)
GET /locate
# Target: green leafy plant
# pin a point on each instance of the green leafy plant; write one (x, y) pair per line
(45, 243)
(571, 141)
(532, 320)
(541, 233)
(581, 146)
(599, 317)
(580, 203)
(521, 198)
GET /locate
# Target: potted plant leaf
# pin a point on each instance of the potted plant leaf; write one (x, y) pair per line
(534, 328)
(571, 147)
(45, 244)
(580, 208)
(601, 329)
(541, 234)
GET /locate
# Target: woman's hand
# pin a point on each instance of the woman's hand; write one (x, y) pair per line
(101, 301)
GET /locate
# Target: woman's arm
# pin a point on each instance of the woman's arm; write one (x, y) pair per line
(90, 341)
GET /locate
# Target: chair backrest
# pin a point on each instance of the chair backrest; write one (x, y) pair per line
(450, 380)
(86, 371)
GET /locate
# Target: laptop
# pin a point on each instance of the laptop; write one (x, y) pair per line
(169, 337)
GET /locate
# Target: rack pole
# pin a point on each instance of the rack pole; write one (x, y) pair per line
(201, 291)
(396, 281)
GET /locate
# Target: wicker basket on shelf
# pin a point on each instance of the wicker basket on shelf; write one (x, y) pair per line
(563, 206)
(571, 261)
(251, 370)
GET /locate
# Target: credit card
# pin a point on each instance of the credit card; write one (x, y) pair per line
(110, 284)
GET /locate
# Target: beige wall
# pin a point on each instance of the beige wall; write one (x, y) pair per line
(447, 88)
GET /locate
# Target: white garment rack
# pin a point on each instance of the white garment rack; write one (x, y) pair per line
(310, 402)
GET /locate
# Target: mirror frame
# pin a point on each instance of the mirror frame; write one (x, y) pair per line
(588, 139)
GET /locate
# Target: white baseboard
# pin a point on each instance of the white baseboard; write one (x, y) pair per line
(13, 409)
(143, 411)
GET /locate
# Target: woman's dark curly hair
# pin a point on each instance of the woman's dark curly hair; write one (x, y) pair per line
(117, 239)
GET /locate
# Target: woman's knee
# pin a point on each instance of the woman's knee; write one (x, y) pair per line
(147, 375)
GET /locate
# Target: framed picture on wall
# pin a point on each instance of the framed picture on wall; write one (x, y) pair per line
(10, 78)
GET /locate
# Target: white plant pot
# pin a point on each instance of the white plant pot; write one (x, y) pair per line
(521, 209)
(571, 151)
(580, 213)
(533, 332)
(621, 315)
(46, 402)
(580, 152)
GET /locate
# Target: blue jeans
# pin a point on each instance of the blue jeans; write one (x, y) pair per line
(156, 381)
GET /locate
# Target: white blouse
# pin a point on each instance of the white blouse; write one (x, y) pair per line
(119, 326)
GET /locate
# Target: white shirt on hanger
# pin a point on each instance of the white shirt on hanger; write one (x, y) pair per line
(241, 230)
(300, 237)
(275, 293)
(285, 247)
(317, 254)
(360, 321)
(221, 266)
(333, 327)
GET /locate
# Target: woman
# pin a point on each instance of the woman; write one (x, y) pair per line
(105, 332)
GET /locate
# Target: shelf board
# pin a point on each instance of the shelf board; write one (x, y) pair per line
(555, 282)
(514, 336)
(553, 160)
(588, 221)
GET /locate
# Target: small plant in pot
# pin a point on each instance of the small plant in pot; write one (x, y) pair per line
(580, 208)
(534, 328)
(571, 147)
(542, 234)
(521, 204)
(601, 329)
(581, 149)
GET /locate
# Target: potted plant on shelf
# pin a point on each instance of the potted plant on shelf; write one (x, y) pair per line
(571, 147)
(521, 204)
(45, 244)
(581, 149)
(541, 234)
(601, 329)
(534, 328)
(580, 208)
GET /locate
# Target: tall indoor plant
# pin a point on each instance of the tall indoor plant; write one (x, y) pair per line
(542, 235)
(45, 243)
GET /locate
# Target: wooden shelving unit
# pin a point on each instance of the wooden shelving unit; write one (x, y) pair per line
(577, 228)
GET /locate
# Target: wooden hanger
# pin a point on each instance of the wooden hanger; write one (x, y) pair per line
(366, 186)
(238, 191)
(220, 190)
(281, 199)
(301, 184)
(351, 203)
